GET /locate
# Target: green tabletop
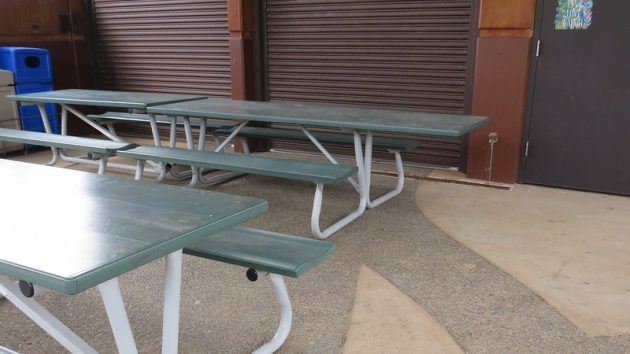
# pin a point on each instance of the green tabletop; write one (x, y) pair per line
(69, 231)
(121, 99)
(326, 116)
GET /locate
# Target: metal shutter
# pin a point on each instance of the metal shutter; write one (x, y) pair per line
(179, 46)
(408, 55)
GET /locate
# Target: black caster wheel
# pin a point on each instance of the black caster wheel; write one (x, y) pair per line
(252, 274)
(26, 288)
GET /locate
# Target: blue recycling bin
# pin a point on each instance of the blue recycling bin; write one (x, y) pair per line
(32, 72)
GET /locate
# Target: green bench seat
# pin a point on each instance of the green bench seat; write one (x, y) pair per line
(264, 251)
(319, 173)
(110, 117)
(97, 146)
(270, 252)
(260, 165)
(394, 144)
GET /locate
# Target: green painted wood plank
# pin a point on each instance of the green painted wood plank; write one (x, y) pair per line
(260, 165)
(160, 119)
(450, 125)
(263, 250)
(324, 138)
(69, 230)
(63, 141)
(101, 98)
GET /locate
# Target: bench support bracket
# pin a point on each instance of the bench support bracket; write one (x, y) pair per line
(43, 318)
(400, 175)
(363, 192)
(286, 317)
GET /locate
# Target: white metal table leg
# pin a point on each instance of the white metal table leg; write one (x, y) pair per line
(157, 142)
(172, 144)
(48, 129)
(111, 128)
(5, 350)
(172, 295)
(400, 179)
(327, 154)
(115, 308)
(220, 148)
(317, 200)
(96, 126)
(102, 164)
(286, 317)
(201, 146)
(43, 318)
(139, 170)
(400, 183)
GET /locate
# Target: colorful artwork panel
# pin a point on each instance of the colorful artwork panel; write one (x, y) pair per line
(574, 14)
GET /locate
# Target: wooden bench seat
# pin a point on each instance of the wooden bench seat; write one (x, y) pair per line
(267, 166)
(394, 144)
(265, 251)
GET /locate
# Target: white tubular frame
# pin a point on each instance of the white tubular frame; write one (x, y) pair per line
(172, 296)
(117, 315)
(363, 192)
(48, 129)
(198, 177)
(59, 153)
(400, 179)
(286, 317)
(330, 158)
(43, 318)
(172, 144)
(157, 142)
(5, 350)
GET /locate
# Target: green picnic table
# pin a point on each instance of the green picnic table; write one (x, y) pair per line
(115, 226)
(129, 100)
(362, 122)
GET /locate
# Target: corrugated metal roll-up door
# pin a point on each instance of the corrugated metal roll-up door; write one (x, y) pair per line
(179, 46)
(407, 55)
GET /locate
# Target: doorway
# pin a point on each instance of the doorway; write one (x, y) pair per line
(578, 133)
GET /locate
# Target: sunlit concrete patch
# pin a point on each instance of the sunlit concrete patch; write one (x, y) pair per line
(386, 320)
(569, 247)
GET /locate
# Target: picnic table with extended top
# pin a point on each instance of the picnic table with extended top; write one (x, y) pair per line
(361, 122)
(120, 225)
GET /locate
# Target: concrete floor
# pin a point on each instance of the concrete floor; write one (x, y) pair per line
(569, 247)
(484, 309)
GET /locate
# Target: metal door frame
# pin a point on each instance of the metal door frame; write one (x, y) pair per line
(531, 89)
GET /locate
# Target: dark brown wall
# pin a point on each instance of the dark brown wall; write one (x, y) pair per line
(500, 89)
(61, 26)
(243, 59)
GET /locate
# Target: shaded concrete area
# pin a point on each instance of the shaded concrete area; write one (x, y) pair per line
(572, 248)
(483, 308)
(385, 320)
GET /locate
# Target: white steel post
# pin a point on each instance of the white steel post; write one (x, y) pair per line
(118, 320)
(172, 295)
(43, 318)
(286, 317)
(48, 129)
